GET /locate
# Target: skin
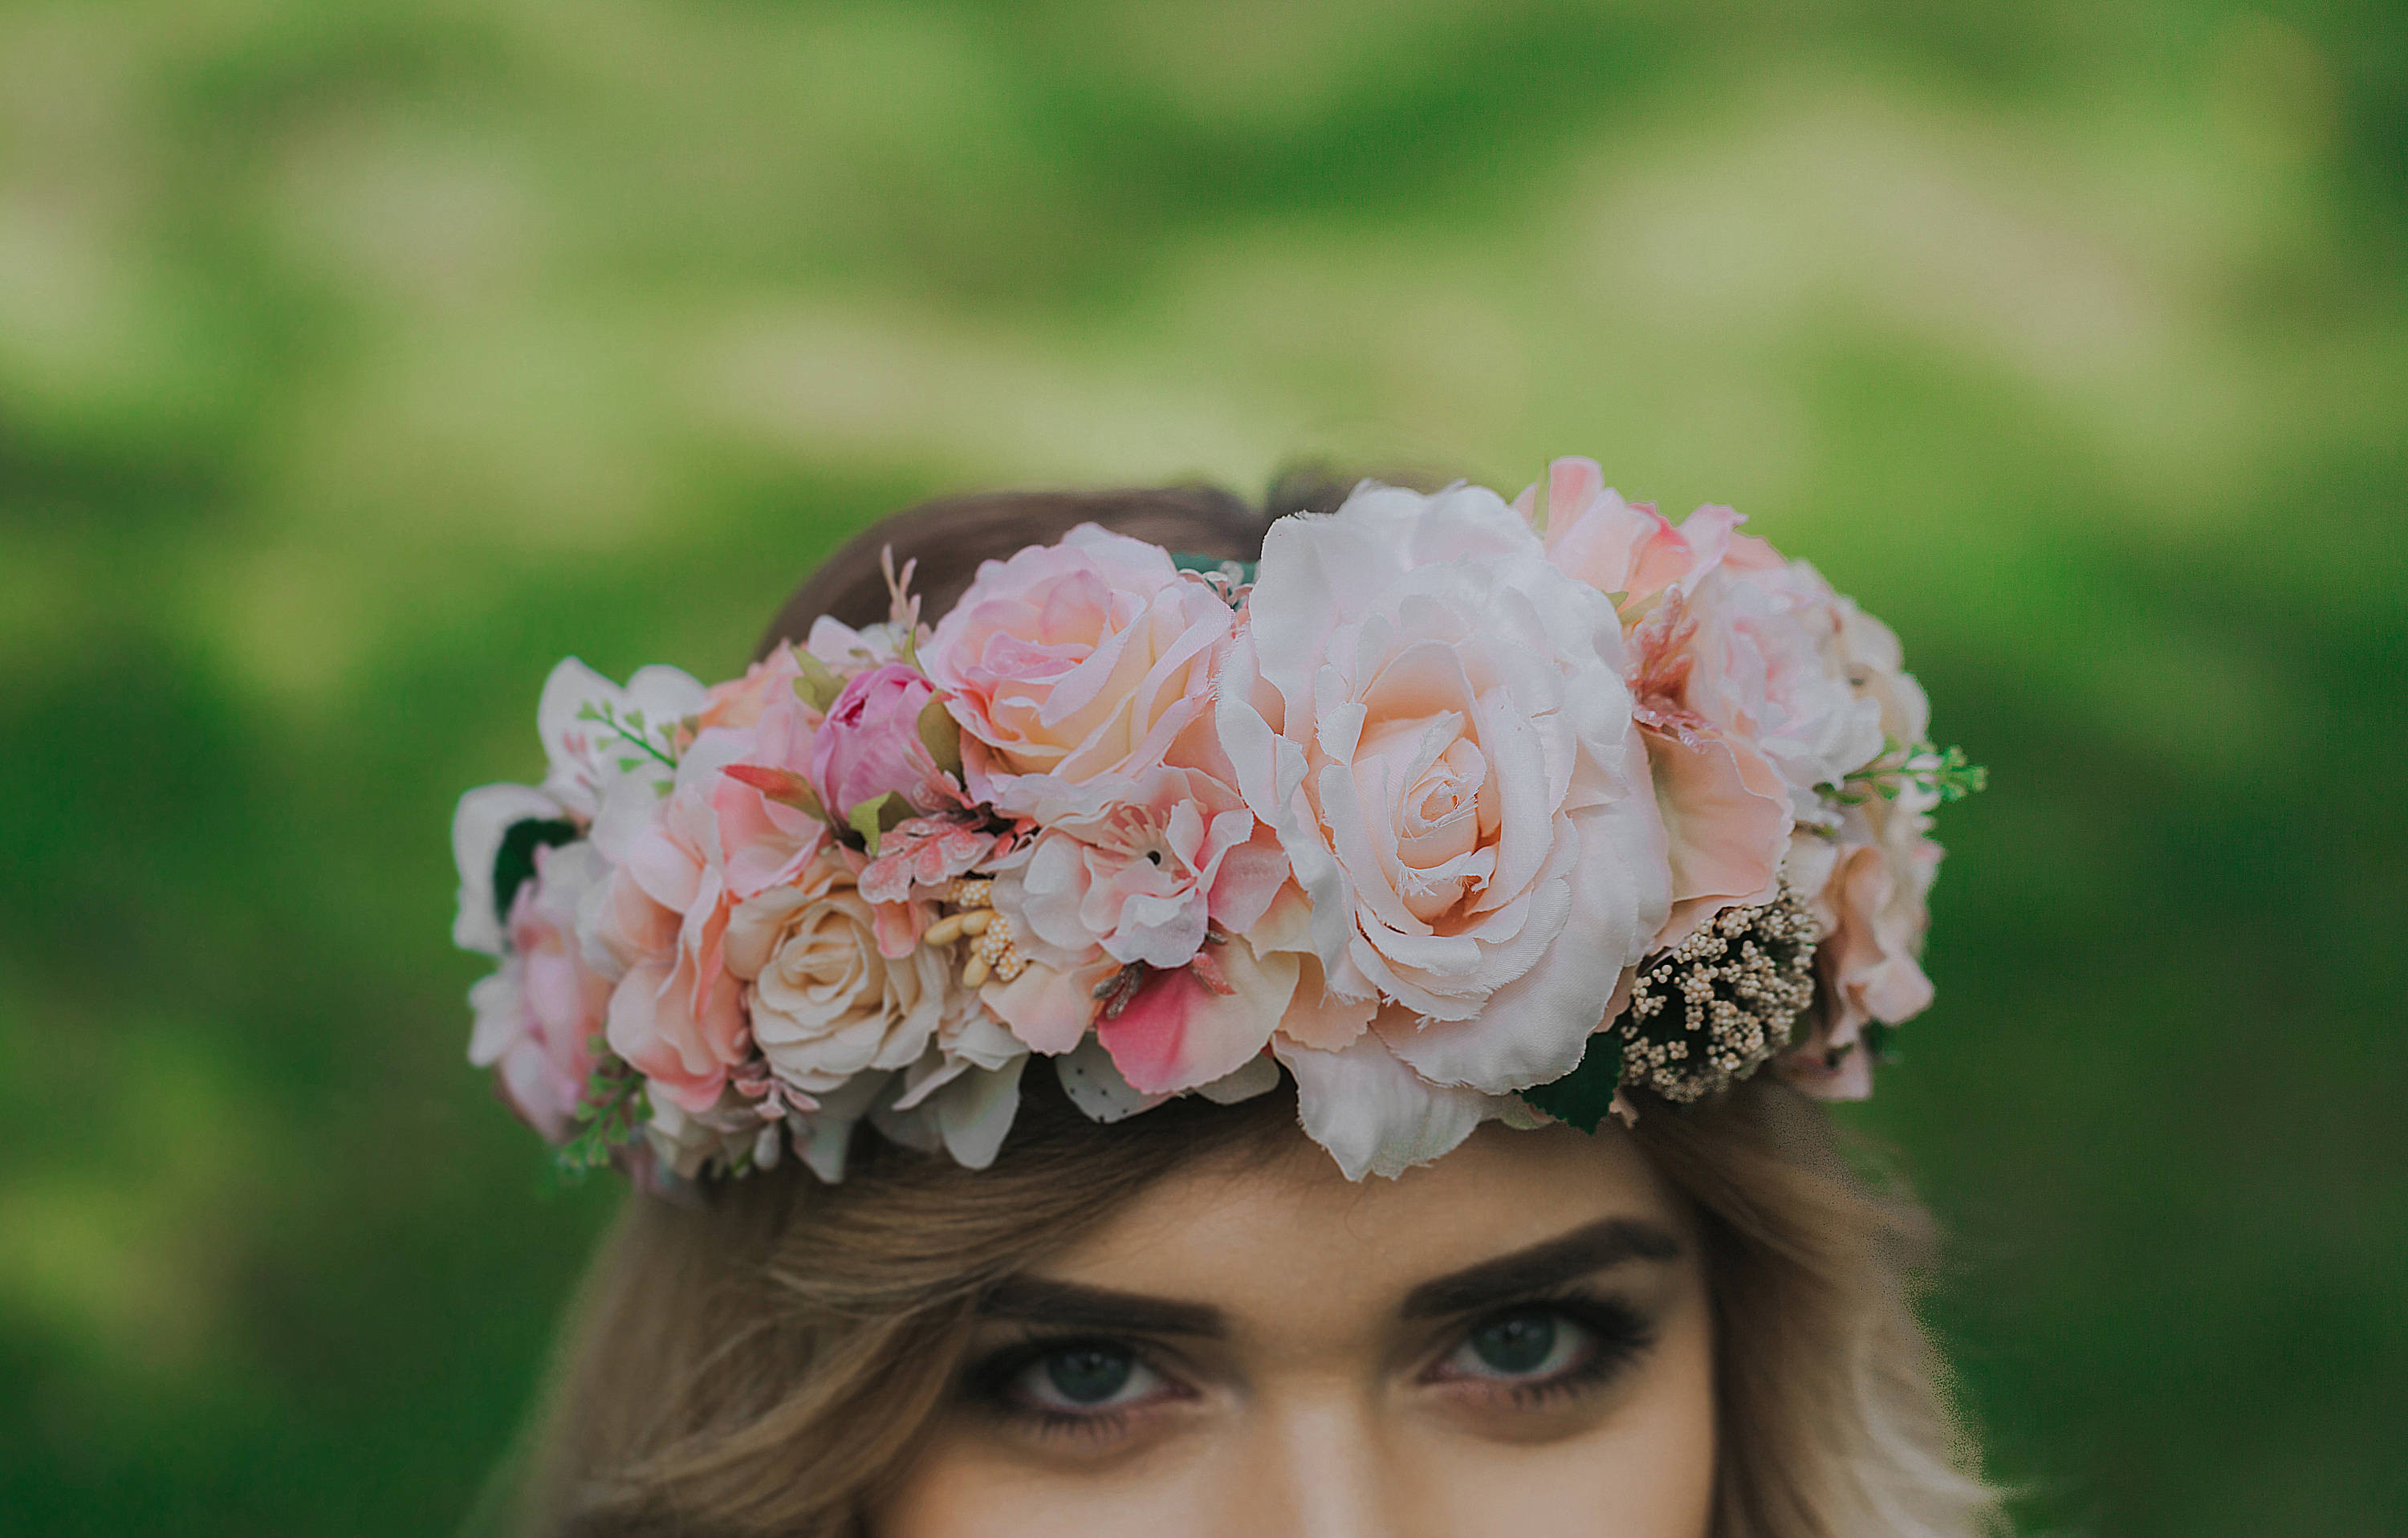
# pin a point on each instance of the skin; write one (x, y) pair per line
(1276, 1353)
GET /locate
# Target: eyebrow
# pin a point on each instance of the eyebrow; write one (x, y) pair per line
(1068, 1305)
(1598, 1246)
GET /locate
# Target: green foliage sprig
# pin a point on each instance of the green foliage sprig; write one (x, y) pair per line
(608, 1116)
(1945, 773)
(634, 730)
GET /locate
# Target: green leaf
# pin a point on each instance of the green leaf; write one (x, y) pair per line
(514, 864)
(1874, 1039)
(1241, 572)
(941, 734)
(818, 687)
(1584, 1097)
(875, 816)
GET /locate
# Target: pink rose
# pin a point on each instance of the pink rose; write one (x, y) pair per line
(538, 1015)
(681, 1027)
(870, 744)
(740, 701)
(1620, 547)
(1866, 876)
(1743, 692)
(1727, 812)
(1762, 652)
(1875, 665)
(1073, 662)
(1770, 663)
(676, 1013)
(768, 819)
(1434, 720)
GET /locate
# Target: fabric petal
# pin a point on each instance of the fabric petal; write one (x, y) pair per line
(1177, 1033)
(1260, 1076)
(478, 825)
(1374, 1114)
(1095, 1086)
(975, 1113)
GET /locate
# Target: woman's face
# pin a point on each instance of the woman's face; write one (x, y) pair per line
(1514, 1343)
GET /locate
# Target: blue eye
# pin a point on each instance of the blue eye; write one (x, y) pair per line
(1526, 1343)
(1088, 1375)
(1084, 1379)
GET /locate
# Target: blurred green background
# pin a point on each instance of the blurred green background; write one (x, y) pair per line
(357, 362)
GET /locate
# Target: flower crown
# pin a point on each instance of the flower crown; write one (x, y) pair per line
(1454, 809)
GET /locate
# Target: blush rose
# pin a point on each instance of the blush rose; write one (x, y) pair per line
(1073, 664)
(1434, 720)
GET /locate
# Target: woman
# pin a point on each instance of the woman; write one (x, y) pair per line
(1396, 932)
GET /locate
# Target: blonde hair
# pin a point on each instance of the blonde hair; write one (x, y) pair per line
(766, 1361)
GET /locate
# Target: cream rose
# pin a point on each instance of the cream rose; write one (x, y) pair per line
(824, 1004)
(1435, 721)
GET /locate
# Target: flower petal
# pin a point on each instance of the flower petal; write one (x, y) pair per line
(1374, 1114)
(1177, 1033)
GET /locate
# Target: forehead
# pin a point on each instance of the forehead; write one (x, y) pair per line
(1290, 1237)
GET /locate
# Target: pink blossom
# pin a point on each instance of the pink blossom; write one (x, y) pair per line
(1727, 811)
(682, 1029)
(1073, 662)
(676, 1014)
(1759, 636)
(1621, 547)
(740, 701)
(536, 1017)
(1148, 876)
(769, 826)
(1185, 1026)
(1868, 885)
(1770, 663)
(924, 852)
(870, 744)
(1741, 690)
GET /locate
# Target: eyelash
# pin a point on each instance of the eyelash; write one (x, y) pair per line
(991, 1385)
(1618, 1335)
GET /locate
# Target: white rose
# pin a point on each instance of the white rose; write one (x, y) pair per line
(1435, 720)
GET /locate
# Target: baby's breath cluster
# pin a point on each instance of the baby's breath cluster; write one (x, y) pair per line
(1722, 1002)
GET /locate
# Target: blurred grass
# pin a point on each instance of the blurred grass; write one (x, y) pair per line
(356, 363)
